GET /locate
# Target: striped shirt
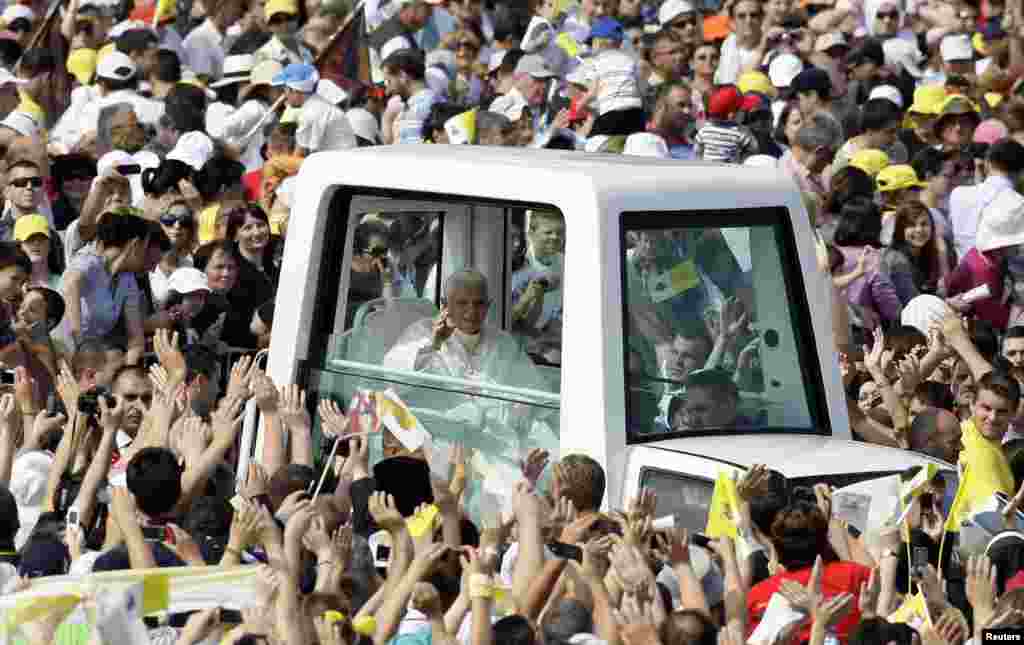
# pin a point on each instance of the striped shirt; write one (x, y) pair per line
(725, 142)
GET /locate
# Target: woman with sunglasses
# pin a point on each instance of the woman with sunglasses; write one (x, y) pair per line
(179, 224)
(465, 44)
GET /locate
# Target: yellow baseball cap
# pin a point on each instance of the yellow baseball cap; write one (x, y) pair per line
(897, 177)
(928, 99)
(993, 99)
(82, 64)
(872, 161)
(290, 7)
(28, 225)
(755, 82)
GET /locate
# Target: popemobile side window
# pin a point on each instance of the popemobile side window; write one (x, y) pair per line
(714, 341)
(536, 294)
(453, 309)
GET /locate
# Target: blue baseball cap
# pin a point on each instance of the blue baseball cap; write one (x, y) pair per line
(607, 28)
(299, 77)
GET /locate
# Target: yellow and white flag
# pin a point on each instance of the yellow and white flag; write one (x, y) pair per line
(724, 505)
(400, 421)
(913, 612)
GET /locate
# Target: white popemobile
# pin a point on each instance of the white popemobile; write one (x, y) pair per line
(631, 259)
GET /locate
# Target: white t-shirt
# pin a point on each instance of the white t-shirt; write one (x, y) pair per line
(733, 61)
(618, 81)
(323, 127)
(232, 124)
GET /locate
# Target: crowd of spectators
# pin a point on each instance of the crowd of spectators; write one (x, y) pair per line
(148, 154)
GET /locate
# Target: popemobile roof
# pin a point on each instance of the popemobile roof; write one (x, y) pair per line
(620, 183)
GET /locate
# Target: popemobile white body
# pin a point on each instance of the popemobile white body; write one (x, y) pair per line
(331, 333)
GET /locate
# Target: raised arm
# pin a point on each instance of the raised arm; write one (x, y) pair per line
(96, 475)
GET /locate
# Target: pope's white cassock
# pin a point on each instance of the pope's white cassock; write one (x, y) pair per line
(498, 429)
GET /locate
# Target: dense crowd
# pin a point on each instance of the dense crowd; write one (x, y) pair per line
(149, 154)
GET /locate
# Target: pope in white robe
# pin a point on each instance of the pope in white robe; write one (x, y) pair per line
(459, 344)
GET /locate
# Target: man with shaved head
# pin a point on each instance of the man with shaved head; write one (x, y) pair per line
(936, 433)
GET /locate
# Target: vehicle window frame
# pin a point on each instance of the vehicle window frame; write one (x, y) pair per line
(796, 294)
(685, 478)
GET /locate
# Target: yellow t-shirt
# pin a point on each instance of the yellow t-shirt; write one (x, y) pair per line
(208, 223)
(989, 466)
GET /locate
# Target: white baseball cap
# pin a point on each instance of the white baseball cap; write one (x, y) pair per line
(116, 66)
(393, 46)
(108, 162)
(535, 66)
(956, 47)
(887, 92)
(511, 105)
(905, 54)
(783, 69)
(21, 122)
(237, 69)
(924, 311)
(188, 280)
(646, 144)
(671, 9)
(29, 475)
(331, 92)
(364, 124)
(193, 149)
(6, 77)
(15, 11)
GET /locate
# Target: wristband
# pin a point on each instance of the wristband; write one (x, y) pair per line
(481, 586)
(364, 625)
(331, 617)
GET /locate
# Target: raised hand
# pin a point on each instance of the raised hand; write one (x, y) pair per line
(981, 587)
(264, 393)
(241, 374)
(867, 601)
(292, 407)
(442, 329)
(165, 344)
(533, 466)
(333, 422)
(67, 387)
(384, 512)
(754, 482)
(24, 391)
(227, 418)
(317, 539)
(111, 416)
